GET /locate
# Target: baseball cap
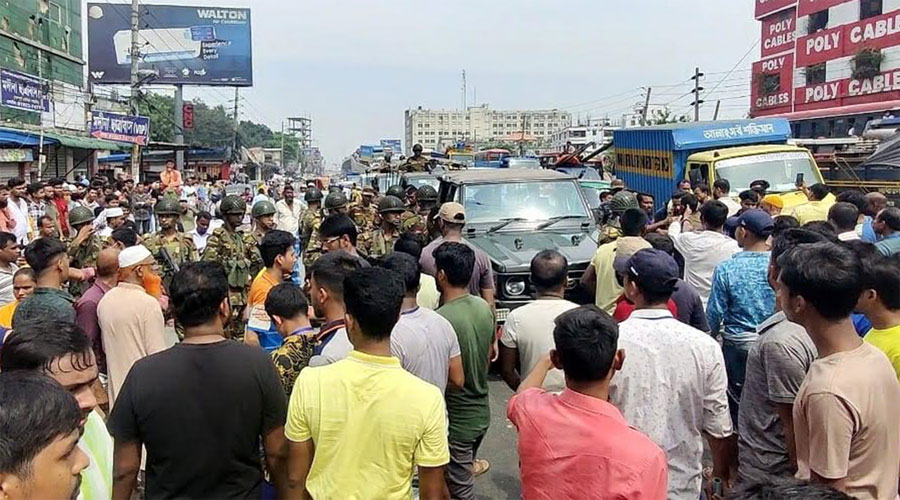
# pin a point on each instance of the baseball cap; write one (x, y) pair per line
(133, 255)
(757, 222)
(452, 212)
(653, 270)
(774, 200)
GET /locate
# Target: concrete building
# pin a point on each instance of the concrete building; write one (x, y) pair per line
(438, 129)
(597, 131)
(828, 66)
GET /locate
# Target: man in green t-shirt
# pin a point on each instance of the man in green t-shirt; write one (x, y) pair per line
(469, 409)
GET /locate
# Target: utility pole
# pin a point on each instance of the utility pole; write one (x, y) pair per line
(179, 127)
(234, 132)
(646, 108)
(40, 171)
(282, 147)
(135, 83)
(716, 113)
(464, 91)
(697, 88)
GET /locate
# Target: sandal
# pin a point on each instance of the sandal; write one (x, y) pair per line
(480, 467)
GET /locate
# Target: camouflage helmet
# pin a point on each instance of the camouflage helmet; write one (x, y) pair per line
(426, 192)
(622, 201)
(233, 205)
(80, 215)
(390, 204)
(261, 208)
(313, 195)
(397, 191)
(335, 200)
(167, 206)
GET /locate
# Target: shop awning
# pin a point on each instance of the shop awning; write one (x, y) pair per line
(10, 138)
(74, 141)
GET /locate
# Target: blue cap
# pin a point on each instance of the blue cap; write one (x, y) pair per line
(654, 270)
(758, 222)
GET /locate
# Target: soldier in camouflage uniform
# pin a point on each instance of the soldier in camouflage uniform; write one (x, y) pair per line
(84, 247)
(229, 247)
(382, 242)
(179, 246)
(309, 227)
(620, 202)
(336, 203)
(365, 213)
(416, 162)
(417, 222)
(263, 214)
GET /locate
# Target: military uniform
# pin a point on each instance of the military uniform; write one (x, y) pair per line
(364, 217)
(415, 164)
(82, 256)
(415, 223)
(620, 202)
(611, 231)
(180, 248)
(309, 232)
(381, 243)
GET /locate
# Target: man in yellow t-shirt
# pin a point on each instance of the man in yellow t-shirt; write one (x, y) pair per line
(278, 255)
(357, 427)
(820, 200)
(881, 305)
(23, 286)
(600, 275)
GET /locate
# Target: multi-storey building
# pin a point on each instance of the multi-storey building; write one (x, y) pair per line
(829, 66)
(597, 131)
(437, 129)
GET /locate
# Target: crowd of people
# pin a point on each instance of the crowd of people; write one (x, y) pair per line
(172, 340)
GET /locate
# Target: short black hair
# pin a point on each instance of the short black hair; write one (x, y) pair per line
(15, 182)
(43, 252)
(819, 190)
(690, 200)
(749, 195)
(843, 216)
(373, 297)
(6, 238)
(783, 223)
(36, 411)
(406, 267)
(286, 300)
(125, 235)
(633, 221)
(882, 274)
(822, 227)
(722, 184)
(786, 487)
(56, 181)
(275, 243)
(549, 270)
(34, 187)
(827, 275)
(196, 291)
(661, 242)
(409, 243)
(24, 271)
(330, 269)
(714, 213)
(702, 187)
(586, 341)
(36, 344)
(42, 218)
(856, 197)
(457, 261)
(204, 215)
(790, 238)
(643, 195)
(337, 225)
(891, 217)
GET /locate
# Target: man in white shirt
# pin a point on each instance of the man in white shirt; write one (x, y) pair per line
(528, 332)
(704, 250)
(673, 385)
(288, 211)
(115, 217)
(205, 225)
(18, 210)
(722, 192)
(843, 216)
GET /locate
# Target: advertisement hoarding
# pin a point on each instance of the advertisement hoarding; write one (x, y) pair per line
(873, 33)
(122, 128)
(22, 92)
(807, 7)
(778, 32)
(771, 88)
(179, 45)
(766, 7)
(849, 91)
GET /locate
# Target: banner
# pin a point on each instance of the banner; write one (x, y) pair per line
(16, 155)
(766, 7)
(179, 45)
(873, 33)
(122, 128)
(778, 32)
(771, 90)
(23, 92)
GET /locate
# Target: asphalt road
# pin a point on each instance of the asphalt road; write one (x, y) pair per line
(499, 448)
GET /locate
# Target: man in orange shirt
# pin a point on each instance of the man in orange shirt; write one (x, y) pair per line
(170, 178)
(277, 250)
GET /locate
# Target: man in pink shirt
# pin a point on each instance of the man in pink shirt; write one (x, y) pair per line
(576, 444)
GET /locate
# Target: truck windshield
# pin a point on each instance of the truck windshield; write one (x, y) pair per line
(530, 201)
(780, 169)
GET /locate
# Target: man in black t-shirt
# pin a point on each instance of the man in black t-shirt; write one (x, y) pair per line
(201, 407)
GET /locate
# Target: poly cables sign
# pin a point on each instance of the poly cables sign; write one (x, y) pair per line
(771, 87)
(23, 92)
(778, 32)
(122, 128)
(178, 45)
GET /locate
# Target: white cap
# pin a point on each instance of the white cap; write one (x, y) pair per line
(114, 212)
(133, 255)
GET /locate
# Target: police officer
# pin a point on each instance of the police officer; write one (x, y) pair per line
(336, 203)
(228, 246)
(417, 222)
(84, 247)
(309, 226)
(382, 242)
(416, 162)
(620, 202)
(179, 247)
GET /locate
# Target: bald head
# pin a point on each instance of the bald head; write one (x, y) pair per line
(108, 262)
(877, 202)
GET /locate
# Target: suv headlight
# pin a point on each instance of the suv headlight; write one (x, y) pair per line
(514, 287)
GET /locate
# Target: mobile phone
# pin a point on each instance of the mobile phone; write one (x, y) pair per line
(799, 180)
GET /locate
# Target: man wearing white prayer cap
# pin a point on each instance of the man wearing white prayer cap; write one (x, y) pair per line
(130, 317)
(115, 217)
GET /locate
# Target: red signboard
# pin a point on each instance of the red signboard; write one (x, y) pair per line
(766, 7)
(875, 32)
(187, 114)
(770, 90)
(807, 7)
(849, 91)
(778, 32)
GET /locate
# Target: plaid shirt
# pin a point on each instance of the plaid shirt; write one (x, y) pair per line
(36, 210)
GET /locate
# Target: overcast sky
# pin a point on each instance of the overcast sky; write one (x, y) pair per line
(355, 66)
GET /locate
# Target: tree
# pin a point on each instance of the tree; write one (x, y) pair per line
(159, 108)
(664, 115)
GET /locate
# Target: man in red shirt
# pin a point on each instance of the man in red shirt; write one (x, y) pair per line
(170, 178)
(566, 440)
(59, 202)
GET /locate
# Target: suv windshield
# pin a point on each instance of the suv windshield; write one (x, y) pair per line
(780, 169)
(530, 201)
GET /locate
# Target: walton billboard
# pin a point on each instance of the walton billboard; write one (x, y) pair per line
(180, 45)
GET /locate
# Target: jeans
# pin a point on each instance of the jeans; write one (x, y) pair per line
(460, 475)
(735, 354)
(143, 226)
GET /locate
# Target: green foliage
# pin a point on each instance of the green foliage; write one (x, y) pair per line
(867, 63)
(665, 115)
